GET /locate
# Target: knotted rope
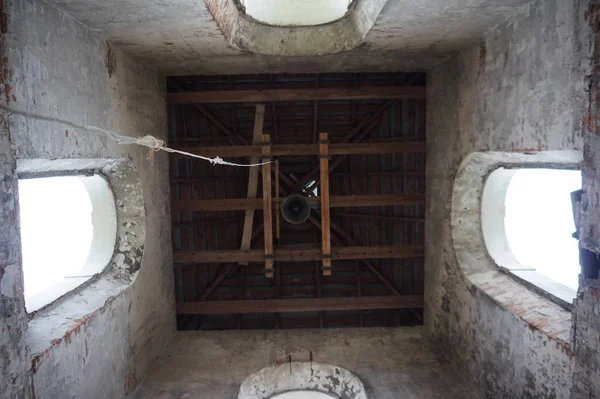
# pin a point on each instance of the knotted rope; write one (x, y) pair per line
(155, 144)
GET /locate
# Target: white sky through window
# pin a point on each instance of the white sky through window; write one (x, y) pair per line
(56, 230)
(539, 222)
(296, 12)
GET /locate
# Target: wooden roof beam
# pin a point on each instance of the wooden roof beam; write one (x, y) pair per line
(299, 94)
(325, 216)
(302, 305)
(280, 150)
(299, 255)
(267, 206)
(335, 201)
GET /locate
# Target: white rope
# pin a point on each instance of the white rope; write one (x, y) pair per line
(155, 144)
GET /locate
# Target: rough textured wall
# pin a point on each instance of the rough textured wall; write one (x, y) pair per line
(14, 382)
(392, 363)
(586, 313)
(522, 89)
(59, 67)
(183, 38)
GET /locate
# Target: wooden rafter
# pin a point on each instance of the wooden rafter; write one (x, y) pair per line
(335, 201)
(357, 134)
(298, 94)
(325, 216)
(282, 150)
(302, 305)
(267, 206)
(252, 179)
(299, 255)
(340, 237)
(381, 217)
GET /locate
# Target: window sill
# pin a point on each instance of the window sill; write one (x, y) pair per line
(537, 311)
(556, 292)
(64, 319)
(46, 297)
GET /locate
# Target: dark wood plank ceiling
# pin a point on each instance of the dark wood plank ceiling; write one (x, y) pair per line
(365, 120)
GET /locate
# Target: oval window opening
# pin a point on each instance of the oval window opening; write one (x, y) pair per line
(303, 395)
(68, 233)
(539, 222)
(296, 12)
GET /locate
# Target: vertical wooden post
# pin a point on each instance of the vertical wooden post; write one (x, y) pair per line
(324, 194)
(267, 205)
(277, 205)
(253, 179)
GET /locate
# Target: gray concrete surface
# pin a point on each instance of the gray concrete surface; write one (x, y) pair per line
(392, 363)
(586, 313)
(246, 34)
(55, 65)
(181, 37)
(523, 89)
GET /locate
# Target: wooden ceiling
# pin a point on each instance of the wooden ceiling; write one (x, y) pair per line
(358, 260)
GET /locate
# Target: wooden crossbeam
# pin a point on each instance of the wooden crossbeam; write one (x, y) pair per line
(267, 206)
(357, 134)
(253, 178)
(325, 216)
(309, 149)
(302, 305)
(299, 94)
(298, 255)
(383, 218)
(335, 201)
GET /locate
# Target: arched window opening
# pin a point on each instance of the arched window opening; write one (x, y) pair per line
(302, 380)
(68, 233)
(303, 395)
(296, 12)
(539, 222)
(528, 226)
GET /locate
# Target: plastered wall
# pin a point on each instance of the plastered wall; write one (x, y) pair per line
(586, 313)
(522, 89)
(54, 65)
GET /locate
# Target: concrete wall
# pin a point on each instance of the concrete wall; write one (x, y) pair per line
(56, 66)
(392, 363)
(522, 89)
(586, 313)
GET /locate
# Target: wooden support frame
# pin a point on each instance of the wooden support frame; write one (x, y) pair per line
(302, 305)
(253, 179)
(357, 134)
(339, 240)
(285, 150)
(298, 94)
(298, 255)
(324, 195)
(335, 201)
(267, 205)
(277, 202)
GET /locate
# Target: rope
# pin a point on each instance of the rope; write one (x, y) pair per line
(155, 144)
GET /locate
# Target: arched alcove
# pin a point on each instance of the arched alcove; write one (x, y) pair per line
(288, 380)
(244, 32)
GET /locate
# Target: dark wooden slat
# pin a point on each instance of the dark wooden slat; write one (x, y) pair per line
(308, 149)
(300, 94)
(336, 201)
(302, 305)
(298, 255)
